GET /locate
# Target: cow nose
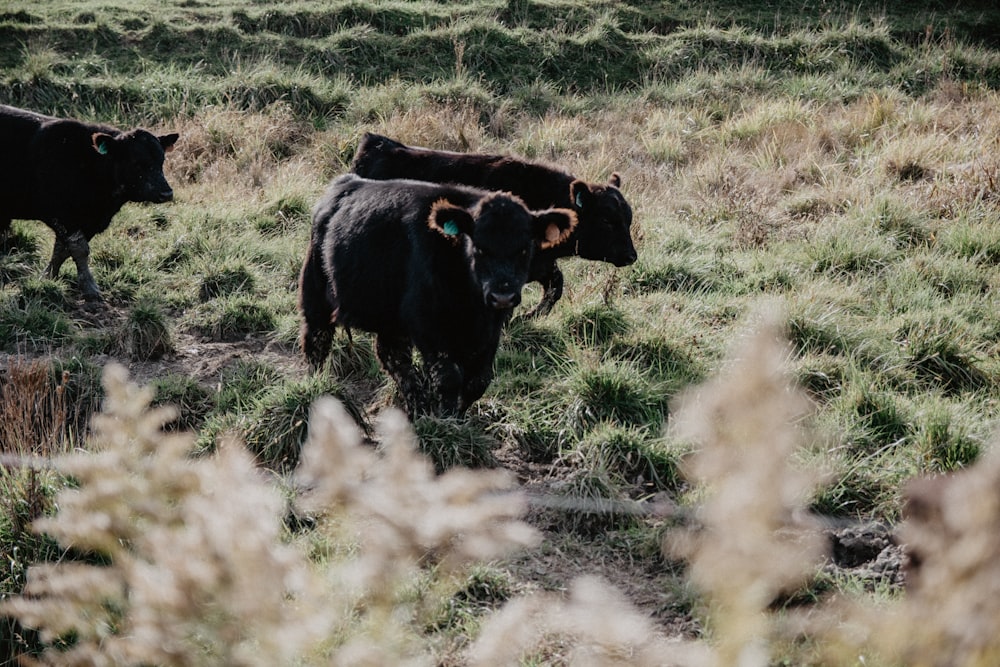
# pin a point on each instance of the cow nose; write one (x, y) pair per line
(504, 301)
(165, 196)
(629, 258)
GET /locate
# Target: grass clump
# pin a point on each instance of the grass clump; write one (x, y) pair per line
(242, 383)
(945, 437)
(823, 376)
(192, 400)
(238, 317)
(821, 333)
(450, 443)
(82, 391)
(596, 326)
(33, 429)
(673, 276)
(147, 332)
(19, 255)
(938, 359)
(876, 419)
(226, 281)
(630, 457)
(617, 393)
(278, 424)
(847, 256)
(34, 324)
(284, 215)
(661, 358)
(540, 426)
(45, 293)
(484, 590)
(33, 408)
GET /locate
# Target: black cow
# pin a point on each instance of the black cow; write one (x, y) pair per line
(605, 218)
(436, 267)
(75, 177)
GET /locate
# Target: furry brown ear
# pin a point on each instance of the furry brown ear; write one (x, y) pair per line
(449, 220)
(554, 226)
(615, 180)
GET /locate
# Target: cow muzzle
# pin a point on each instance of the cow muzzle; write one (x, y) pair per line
(163, 196)
(503, 301)
(625, 259)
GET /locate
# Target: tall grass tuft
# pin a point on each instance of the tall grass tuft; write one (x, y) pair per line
(450, 443)
(33, 430)
(147, 332)
(33, 427)
(278, 425)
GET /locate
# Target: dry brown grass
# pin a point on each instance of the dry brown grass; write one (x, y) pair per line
(32, 430)
(32, 409)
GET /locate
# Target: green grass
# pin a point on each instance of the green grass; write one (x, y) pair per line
(310, 56)
(277, 424)
(193, 401)
(147, 331)
(832, 158)
(449, 443)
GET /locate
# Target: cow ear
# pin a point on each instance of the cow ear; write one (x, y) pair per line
(103, 143)
(167, 141)
(580, 193)
(449, 220)
(615, 180)
(554, 226)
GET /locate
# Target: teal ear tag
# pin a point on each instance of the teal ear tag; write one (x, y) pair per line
(102, 148)
(450, 228)
(579, 200)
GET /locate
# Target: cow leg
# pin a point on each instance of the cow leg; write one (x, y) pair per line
(446, 384)
(552, 289)
(477, 375)
(396, 355)
(318, 314)
(77, 246)
(60, 253)
(79, 249)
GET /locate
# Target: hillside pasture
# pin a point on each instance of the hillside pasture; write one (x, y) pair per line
(826, 170)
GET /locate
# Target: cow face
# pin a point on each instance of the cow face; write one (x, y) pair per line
(499, 237)
(137, 163)
(605, 232)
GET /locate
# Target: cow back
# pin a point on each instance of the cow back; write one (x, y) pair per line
(539, 186)
(605, 217)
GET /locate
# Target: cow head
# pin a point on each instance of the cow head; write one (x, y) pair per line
(606, 220)
(498, 238)
(136, 160)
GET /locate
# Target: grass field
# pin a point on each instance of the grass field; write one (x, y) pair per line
(835, 165)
